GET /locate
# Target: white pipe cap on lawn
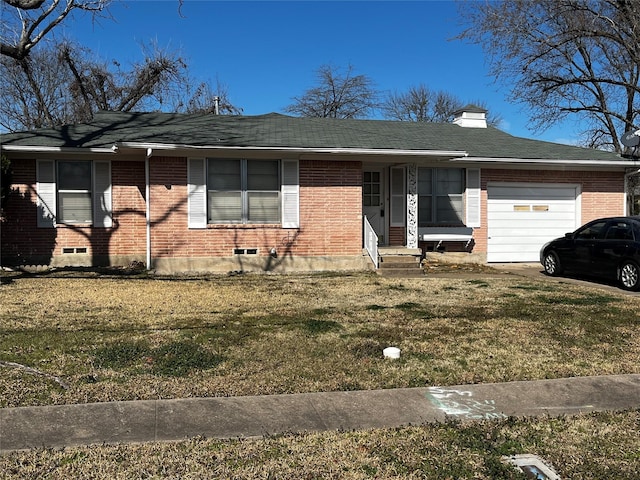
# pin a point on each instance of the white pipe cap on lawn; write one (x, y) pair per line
(391, 352)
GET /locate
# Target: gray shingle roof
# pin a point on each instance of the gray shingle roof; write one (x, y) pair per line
(275, 130)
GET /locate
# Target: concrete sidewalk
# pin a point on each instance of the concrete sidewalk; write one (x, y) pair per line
(257, 416)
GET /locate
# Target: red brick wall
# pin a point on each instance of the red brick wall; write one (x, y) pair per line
(128, 235)
(330, 215)
(602, 193)
(330, 208)
(22, 238)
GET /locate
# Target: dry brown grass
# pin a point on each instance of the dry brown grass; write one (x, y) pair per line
(125, 338)
(595, 446)
(145, 338)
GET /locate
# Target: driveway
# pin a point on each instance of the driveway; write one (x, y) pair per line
(535, 270)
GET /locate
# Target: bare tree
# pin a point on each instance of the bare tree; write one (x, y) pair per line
(205, 99)
(339, 94)
(565, 59)
(65, 83)
(421, 104)
(27, 22)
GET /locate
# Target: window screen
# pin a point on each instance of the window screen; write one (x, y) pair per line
(74, 192)
(243, 191)
(440, 193)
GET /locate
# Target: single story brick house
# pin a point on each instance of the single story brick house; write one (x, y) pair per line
(196, 193)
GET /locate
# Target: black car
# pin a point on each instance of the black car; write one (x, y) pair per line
(606, 248)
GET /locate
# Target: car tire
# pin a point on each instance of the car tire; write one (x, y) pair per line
(629, 275)
(551, 264)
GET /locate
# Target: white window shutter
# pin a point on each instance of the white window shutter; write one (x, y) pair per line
(46, 191)
(197, 192)
(473, 198)
(290, 194)
(102, 208)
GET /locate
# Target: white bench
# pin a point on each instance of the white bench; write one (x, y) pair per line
(446, 234)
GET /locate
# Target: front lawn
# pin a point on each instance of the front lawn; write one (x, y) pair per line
(91, 339)
(81, 339)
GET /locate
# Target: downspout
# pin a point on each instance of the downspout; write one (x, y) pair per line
(147, 192)
(627, 176)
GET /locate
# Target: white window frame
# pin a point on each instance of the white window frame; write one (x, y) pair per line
(434, 196)
(245, 193)
(197, 193)
(60, 193)
(48, 193)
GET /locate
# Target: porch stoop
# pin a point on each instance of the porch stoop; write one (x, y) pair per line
(400, 262)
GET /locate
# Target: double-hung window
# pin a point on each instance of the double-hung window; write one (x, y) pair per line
(243, 191)
(440, 196)
(74, 192)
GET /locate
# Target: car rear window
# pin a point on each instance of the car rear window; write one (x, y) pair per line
(619, 231)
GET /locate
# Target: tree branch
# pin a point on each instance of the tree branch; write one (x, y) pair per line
(34, 371)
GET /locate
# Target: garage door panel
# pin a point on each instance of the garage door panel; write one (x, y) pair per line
(522, 218)
(514, 239)
(509, 253)
(532, 207)
(532, 193)
(508, 257)
(531, 221)
(535, 228)
(509, 206)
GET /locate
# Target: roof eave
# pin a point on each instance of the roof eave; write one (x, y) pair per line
(65, 150)
(548, 162)
(296, 150)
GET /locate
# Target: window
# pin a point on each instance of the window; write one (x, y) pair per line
(619, 231)
(440, 193)
(243, 191)
(371, 195)
(73, 192)
(595, 231)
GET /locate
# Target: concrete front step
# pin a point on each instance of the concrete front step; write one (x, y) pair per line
(406, 265)
(403, 260)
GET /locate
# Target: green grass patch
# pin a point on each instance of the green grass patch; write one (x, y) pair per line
(317, 327)
(583, 300)
(175, 359)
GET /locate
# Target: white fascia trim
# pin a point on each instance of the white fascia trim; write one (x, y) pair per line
(543, 161)
(299, 150)
(65, 150)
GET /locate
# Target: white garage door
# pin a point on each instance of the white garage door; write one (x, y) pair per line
(523, 217)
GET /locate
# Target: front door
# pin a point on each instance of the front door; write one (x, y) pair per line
(373, 201)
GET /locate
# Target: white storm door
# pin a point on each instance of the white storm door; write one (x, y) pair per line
(373, 201)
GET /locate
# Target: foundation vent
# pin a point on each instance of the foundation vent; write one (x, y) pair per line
(245, 251)
(74, 249)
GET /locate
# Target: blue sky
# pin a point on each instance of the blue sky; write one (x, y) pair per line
(266, 52)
